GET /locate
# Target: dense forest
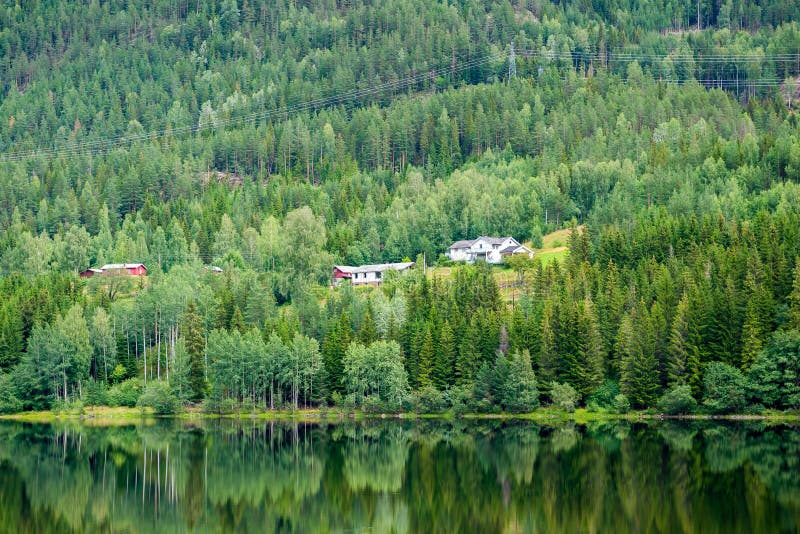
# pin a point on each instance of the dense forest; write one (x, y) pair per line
(275, 139)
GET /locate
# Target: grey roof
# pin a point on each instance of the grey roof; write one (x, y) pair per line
(509, 250)
(378, 267)
(466, 243)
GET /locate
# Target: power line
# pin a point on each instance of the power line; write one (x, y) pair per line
(107, 143)
(93, 147)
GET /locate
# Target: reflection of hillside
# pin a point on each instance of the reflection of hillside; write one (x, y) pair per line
(399, 476)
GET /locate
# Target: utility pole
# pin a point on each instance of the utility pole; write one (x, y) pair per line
(512, 63)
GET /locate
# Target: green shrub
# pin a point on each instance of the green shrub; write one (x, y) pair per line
(724, 388)
(158, 396)
(373, 404)
(430, 400)
(621, 404)
(458, 397)
(604, 396)
(678, 400)
(564, 397)
(95, 394)
(126, 393)
(118, 374)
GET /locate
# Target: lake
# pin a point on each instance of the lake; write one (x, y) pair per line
(384, 476)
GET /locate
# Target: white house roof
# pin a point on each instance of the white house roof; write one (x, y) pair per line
(378, 267)
(113, 266)
(467, 243)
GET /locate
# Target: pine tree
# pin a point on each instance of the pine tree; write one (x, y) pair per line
(548, 351)
(444, 368)
(639, 379)
(334, 347)
(368, 332)
(237, 320)
(468, 360)
(794, 299)
(758, 316)
(591, 351)
(427, 354)
(678, 348)
(192, 330)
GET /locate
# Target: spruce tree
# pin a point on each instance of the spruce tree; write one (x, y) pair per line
(334, 347)
(444, 367)
(192, 331)
(427, 354)
(794, 299)
(237, 321)
(639, 378)
(678, 348)
(368, 332)
(591, 353)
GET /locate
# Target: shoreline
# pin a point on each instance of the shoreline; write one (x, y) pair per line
(122, 415)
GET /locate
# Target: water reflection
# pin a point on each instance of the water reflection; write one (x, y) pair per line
(385, 476)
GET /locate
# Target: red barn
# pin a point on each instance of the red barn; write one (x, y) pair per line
(124, 269)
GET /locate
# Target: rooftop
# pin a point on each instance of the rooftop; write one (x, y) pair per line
(378, 267)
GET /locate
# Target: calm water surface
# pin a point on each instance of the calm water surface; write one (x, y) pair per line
(384, 476)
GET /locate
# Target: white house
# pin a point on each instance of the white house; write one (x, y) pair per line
(488, 249)
(367, 274)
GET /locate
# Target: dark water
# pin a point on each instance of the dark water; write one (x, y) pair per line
(388, 476)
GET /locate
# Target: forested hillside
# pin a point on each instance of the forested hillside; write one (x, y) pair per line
(276, 139)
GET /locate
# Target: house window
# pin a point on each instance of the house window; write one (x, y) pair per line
(378, 275)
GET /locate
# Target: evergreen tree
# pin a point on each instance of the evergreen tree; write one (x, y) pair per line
(427, 356)
(794, 298)
(639, 379)
(368, 332)
(334, 347)
(192, 330)
(444, 367)
(679, 346)
(237, 320)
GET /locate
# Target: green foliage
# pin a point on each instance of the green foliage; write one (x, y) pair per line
(430, 400)
(158, 396)
(9, 402)
(125, 393)
(564, 397)
(376, 370)
(519, 392)
(95, 394)
(195, 348)
(687, 197)
(621, 404)
(774, 377)
(603, 397)
(678, 401)
(724, 389)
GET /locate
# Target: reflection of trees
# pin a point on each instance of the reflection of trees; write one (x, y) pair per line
(401, 476)
(564, 439)
(775, 456)
(726, 448)
(375, 462)
(678, 435)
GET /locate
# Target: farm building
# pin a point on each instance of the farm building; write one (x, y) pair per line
(489, 249)
(116, 269)
(366, 274)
